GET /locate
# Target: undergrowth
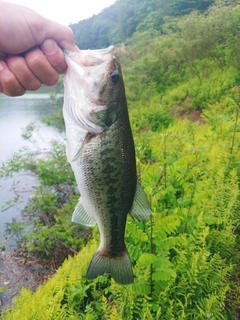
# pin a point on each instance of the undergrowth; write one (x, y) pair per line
(48, 236)
(182, 256)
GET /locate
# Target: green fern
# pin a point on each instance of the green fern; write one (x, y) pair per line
(181, 256)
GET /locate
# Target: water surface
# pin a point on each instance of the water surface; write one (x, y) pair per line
(15, 114)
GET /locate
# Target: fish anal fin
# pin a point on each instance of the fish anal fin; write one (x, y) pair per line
(80, 215)
(120, 267)
(141, 209)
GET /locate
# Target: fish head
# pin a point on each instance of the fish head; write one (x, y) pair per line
(98, 88)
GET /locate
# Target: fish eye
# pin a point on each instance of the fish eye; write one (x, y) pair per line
(114, 76)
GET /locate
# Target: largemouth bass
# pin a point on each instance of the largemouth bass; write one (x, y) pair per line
(101, 152)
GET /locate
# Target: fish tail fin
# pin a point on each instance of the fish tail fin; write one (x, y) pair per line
(120, 268)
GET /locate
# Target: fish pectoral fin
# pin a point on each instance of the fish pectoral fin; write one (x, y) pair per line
(87, 138)
(80, 215)
(68, 152)
(77, 154)
(76, 137)
(141, 209)
(120, 268)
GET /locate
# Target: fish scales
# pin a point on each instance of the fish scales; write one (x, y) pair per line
(109, 174)
(102, 155)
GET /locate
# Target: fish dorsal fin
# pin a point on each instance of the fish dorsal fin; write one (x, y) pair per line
(80, 215)
(141, 209)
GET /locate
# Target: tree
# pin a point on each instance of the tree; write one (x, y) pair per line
(181, 7)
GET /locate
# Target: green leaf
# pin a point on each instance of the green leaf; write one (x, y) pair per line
(147, 258)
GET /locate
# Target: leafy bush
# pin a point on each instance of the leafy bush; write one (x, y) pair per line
(52, 236)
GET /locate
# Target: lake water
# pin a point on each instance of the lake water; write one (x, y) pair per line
(15, 115)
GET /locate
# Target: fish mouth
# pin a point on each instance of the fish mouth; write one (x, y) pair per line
(91, 58)
(102, 105)
(97, 103)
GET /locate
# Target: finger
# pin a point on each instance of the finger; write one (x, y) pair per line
(40, 67)
(18, 66)
(2, 55)
(63, 35)
(9, 83)
(54, 55)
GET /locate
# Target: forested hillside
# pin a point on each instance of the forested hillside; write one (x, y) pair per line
(182, 73)
(119, 21)
(194, 63)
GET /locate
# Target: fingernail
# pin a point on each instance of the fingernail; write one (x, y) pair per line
(49, 46)
(1, 66)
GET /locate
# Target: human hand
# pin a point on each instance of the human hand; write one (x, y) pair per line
(30, 49)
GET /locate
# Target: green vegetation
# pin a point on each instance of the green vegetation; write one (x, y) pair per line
(182, 256)
(193, 64)
(53, 236)
(186, 257)
(119, 21)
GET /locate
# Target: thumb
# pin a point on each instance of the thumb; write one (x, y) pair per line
(63, 35)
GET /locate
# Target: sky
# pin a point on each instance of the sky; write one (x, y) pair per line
(66, 11)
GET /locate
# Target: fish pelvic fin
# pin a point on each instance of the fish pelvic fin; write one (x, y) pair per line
(141, 209)
(80, 215)
(120, 268)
